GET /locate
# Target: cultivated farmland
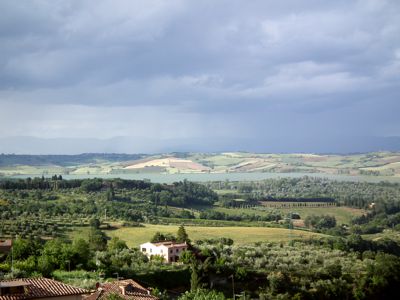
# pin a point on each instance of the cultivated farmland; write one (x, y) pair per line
(134, 236)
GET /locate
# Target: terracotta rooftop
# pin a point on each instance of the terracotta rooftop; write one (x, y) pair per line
(13, 283)
(127, 289)
(39, 288)
(170, 244)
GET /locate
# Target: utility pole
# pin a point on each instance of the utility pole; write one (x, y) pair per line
(233, 287)
(12, 258)
(290, 229)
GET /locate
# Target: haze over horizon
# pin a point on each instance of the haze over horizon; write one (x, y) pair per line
(163, 76)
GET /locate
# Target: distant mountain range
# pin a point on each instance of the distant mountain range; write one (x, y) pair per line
(340, 145)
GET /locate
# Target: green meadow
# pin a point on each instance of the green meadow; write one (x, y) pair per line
(134, 236)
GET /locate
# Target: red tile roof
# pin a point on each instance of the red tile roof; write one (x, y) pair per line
(13, 283)
(5, 245)
(134, 291)
(40, 288)
(170, 244)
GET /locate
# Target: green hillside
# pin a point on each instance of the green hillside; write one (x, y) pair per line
(385, 164)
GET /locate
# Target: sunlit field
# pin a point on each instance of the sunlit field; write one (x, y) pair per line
(134, 236)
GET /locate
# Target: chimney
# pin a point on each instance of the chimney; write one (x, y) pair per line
(123, 291)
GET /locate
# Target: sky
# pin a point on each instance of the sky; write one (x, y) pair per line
(213, 75)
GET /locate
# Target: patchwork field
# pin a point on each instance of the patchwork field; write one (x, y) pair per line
(170, 164)
(134, 236)
(379, 164)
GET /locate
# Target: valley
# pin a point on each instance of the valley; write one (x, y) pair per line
(81, 229)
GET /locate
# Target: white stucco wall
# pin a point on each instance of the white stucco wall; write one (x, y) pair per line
(167, 253)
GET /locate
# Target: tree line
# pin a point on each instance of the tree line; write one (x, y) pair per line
(347, 193)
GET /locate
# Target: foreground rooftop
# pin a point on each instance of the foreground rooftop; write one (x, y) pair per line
(127, 289)
(36, 288)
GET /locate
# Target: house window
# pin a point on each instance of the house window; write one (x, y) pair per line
(170, 251)
(143, 249)
(177, 250)
(151, 250)
(161, 250)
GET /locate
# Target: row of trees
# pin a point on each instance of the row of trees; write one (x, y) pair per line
(178, 194)
(385, 195)
(216, 215)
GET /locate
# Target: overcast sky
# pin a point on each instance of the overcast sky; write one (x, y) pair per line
(197, 70)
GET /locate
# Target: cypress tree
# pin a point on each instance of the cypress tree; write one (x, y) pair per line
(182, 236)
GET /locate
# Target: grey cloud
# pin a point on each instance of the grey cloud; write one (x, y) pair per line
(254, 68)
(139, 39)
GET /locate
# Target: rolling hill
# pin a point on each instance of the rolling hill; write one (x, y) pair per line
(370, 164)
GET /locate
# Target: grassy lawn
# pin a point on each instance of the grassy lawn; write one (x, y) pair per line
(134, 236)
(79, 233)
(248, 211)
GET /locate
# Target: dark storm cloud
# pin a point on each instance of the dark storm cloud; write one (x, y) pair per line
(258, 68)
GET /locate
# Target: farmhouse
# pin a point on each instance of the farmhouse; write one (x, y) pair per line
(126, 289)
(169, 250)
(38, 288)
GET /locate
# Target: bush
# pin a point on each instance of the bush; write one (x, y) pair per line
(202, 294)
(320, 222)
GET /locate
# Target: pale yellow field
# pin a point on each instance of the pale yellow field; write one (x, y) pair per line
(395, 166)
(134, 236)
(169, 162)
